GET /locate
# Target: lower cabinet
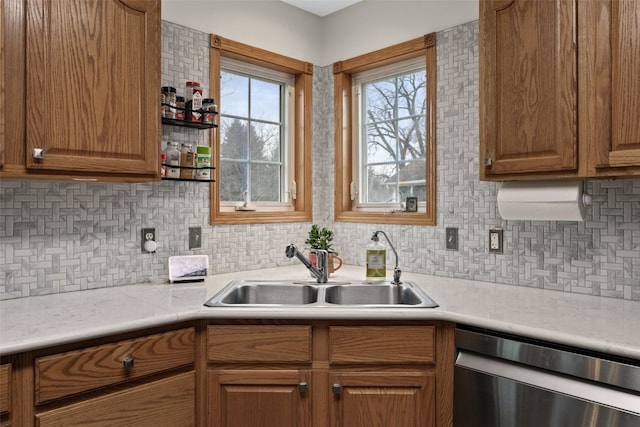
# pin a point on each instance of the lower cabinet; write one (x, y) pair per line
(389, 399)
(142, 380)
(235, 373)
(330, 375)
(268, 398)
(5, 394)
(164, 403)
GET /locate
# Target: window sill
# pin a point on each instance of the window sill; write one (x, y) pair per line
(404, 218)
(257, 217)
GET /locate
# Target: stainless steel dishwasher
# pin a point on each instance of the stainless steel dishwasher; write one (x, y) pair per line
(506, 381)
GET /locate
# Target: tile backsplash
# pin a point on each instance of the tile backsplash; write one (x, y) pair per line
(64, 236)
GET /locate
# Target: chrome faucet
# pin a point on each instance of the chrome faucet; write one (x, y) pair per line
(321, 272)
(396, 271)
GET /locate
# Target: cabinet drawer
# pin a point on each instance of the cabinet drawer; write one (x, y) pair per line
(5, 388)
(258, 343)
(78, 371)
(169, 402)
(381, 344)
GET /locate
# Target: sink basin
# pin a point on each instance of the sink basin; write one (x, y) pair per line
(265, 293)
(257, 293)
(405, 294)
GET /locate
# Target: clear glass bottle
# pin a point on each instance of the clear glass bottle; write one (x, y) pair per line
(173, 159)
(376, 259)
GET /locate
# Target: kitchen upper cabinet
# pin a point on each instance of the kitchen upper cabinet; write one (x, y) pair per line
(610, 86)
(528, 89)
(2, 106)
(82, 80)
(559, 89)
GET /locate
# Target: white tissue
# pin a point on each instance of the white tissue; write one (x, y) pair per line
(542, 200)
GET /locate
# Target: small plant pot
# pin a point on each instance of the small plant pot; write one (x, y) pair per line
(335, 262)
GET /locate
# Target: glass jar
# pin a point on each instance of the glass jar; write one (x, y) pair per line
(209, 109)
(172, 160)
(187, 161)
(180, 106)
(168, 97)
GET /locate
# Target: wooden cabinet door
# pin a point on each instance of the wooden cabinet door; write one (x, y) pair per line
(3, 147)
(383, 399)
(93, 86)
(528, 87)
(610, 85)
(164, 403)
(268, 398)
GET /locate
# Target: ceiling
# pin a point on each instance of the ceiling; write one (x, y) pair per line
(321, 7)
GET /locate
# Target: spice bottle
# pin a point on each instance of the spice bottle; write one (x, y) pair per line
(209, 109)
(173, 160)
(163, 163)
(180, 106)
(187, 161)
(168, 97)
(193, 101)
(203, 162)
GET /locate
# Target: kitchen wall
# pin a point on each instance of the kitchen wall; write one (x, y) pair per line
(63, 236)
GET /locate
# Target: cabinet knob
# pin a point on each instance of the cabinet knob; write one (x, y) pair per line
(336, 389)
(38, 153)
(303, 387)
(488, 161)
(128, 362)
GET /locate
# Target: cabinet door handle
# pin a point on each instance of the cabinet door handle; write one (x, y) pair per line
(336, 389)
(488, 161)
(128, 362)
(303, 387)
(38, 153)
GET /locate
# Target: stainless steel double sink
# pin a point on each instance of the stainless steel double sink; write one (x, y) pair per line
(265, 293)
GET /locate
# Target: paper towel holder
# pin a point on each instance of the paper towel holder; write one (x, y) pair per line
(558, 200)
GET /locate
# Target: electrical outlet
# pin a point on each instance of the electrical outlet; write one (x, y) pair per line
(451, 236)
(195, 237)
(148, 240)
(495, 241)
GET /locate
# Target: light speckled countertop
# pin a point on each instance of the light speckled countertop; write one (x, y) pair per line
(600, 324)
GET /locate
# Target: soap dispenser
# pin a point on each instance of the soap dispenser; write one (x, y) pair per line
(376, 259)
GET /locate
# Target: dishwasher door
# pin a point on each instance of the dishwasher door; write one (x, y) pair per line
(502, 382)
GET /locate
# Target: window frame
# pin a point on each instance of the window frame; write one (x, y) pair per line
(300, 144)
(344, 141)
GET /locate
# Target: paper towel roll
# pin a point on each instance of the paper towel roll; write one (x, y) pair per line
(542, 200)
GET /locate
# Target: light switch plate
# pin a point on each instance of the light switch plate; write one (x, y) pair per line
(496, 241)
(451, 236)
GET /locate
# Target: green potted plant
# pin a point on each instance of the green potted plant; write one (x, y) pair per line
(321, 238)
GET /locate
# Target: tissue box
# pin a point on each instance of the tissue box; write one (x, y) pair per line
(188, 268)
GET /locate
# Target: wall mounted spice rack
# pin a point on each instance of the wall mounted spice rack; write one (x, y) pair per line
(166, 178)
(189, 123)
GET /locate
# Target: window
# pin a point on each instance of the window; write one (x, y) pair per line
(263, 141)
(385, 134)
